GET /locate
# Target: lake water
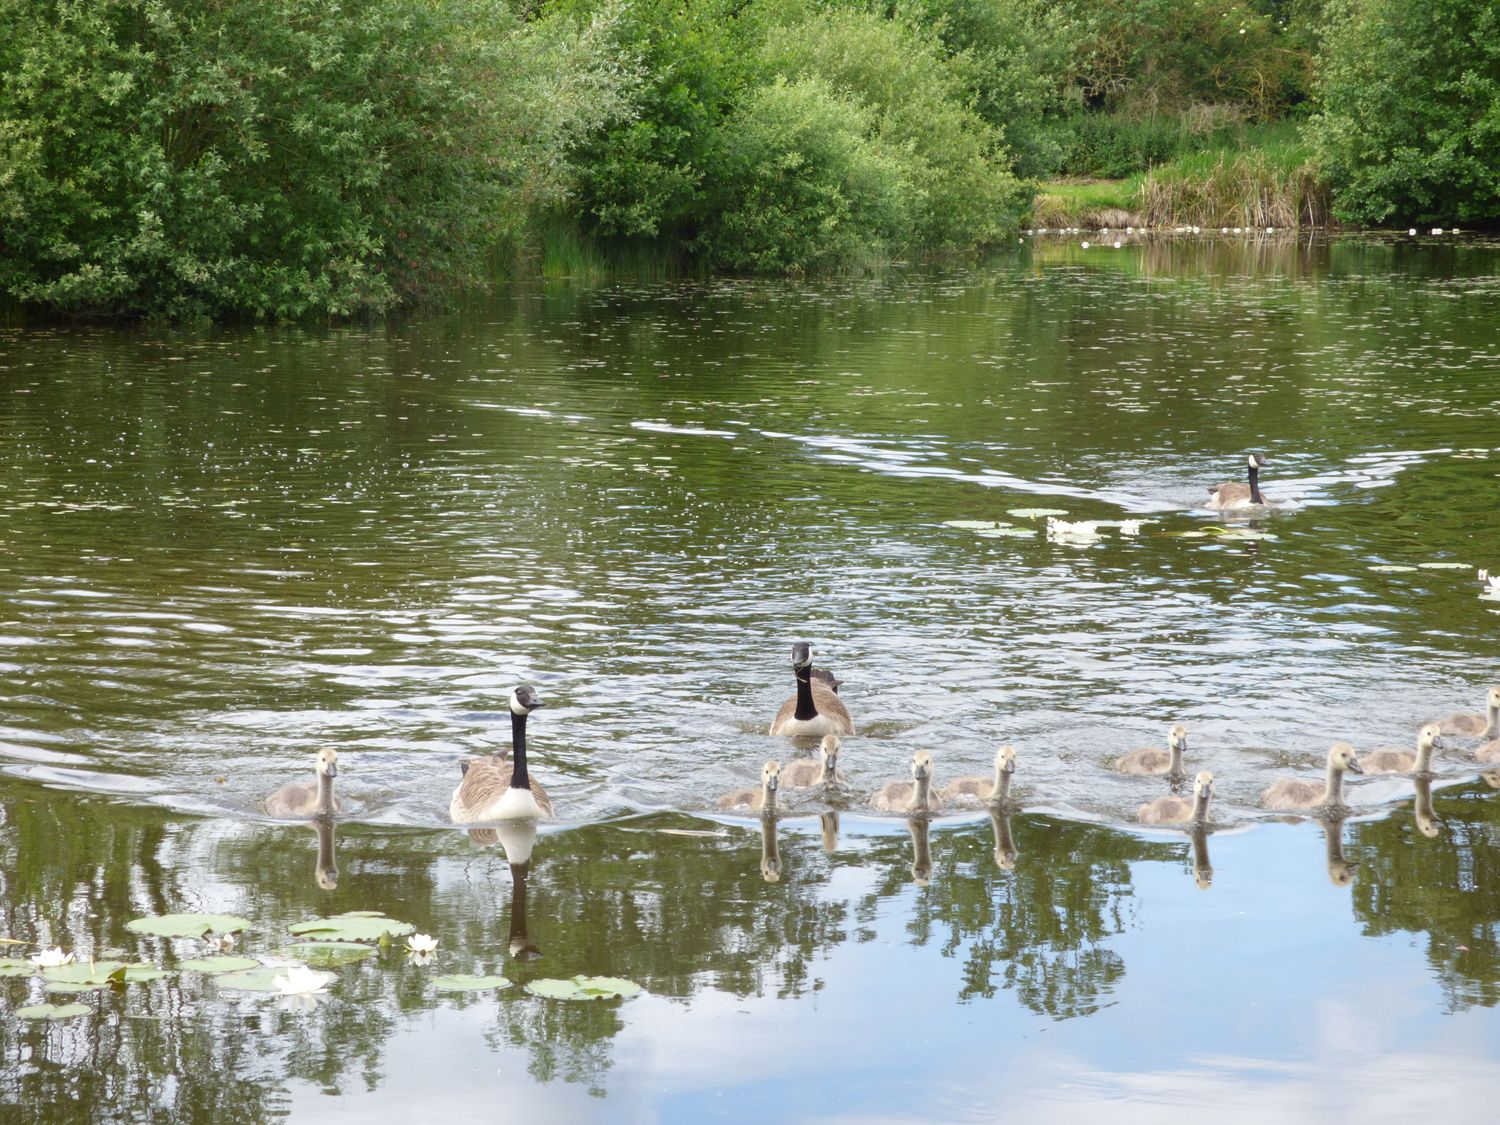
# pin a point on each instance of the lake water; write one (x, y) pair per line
(221, 551)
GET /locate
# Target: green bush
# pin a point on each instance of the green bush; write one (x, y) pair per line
(1410, 125)
(277, 158)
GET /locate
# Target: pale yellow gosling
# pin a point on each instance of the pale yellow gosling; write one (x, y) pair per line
(991, 790)
(1156, 760)
(1388, 760)
(1297, 793)
(1181, 810)
(914, 796)
(1467, 724)
(805, 772)
(762, 800)
(298, 798)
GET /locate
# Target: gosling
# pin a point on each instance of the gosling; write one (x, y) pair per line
(1156, 760)
(1468, 724)
(914, 796)
(300, 798)
(1404, 761)
(805, 772)
(762, 800)
(993, 791)
(1181, 810)
(1296, 793)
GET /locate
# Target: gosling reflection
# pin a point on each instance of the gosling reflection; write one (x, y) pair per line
(1340, 870)
(327, 869)
(770, 851)
(1203, 870)
(921, 852)
(830, 823)
(1422, 810)
(1005, 847)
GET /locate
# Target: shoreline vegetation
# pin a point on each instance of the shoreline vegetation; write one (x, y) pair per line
(277, 160)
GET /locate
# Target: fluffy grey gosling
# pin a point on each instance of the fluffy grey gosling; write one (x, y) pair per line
(762, 800)
(1403, 761)
(1296, 793)
(1156, 760)
(315, 798)
(1181, 810)
(994, 790)
(805, 772)
(1467, 724)
(914, 796)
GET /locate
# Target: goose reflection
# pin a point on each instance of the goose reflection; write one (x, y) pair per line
(1203, 869)
(1422, 810)
(921, 853)
(522, 946)
(770, 852)
(1340, 870)
(327, 870)
(1005, 847)
(830, 824)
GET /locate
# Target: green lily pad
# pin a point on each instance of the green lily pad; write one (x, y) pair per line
(1007, 532)
(1393, 568)
(327, 954)
(354, 927)
(222, 964)
(16, 967)
(1243, 533)
(583, 988)
(462, 982)
(138, 973)
(95, 974)
(187, 925)
(361, 914)
(262, 979)
(70, 988)
(1035, 513)
(970, 525)
(53, 1011)
(1188, 534)
(1443, 566)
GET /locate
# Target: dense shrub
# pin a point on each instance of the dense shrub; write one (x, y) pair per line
(1410, 126)
(277, 158)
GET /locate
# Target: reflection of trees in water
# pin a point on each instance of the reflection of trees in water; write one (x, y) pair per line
(1445, 886)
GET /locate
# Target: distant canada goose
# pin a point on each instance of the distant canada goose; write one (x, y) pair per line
(494, 789)
(1296, 793)
(1232, 494)
(1005, 848)
(1422, 810)
(830, 824)
(914, 796)
(1180, 810)
(1467, 724)
(921, 850)
(1403, 761)
(770, 853)
(326, 871)
(815, 709)
(1155, 759)
(991, 790)
(806, 772)
(315, 798)
(1203, 869)
(1340, 870)
(761, 800)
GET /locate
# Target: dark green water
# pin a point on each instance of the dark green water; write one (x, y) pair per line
(220, 552)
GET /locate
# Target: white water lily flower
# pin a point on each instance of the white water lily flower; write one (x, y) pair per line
(299, 980)
(51, 958)
(421, 944)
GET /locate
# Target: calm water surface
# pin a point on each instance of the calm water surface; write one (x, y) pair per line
(219, 552)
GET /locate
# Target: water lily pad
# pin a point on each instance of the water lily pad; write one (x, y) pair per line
(187, 925)
(16, 967)
(139, 973)
(970, 525)
(1035, 513)
(462, 982)
(327, 954)
(1188, 534)
(94, 974)
(222, 964)
(262, 979)
(1443, 566)
(583, 988)
(53, 1011)
(69, 988)
(1242, 533)
(361, 914)
(1008, 532)
(354, 927)
(1393, 568)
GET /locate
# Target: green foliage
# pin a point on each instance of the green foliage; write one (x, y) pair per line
(278, 158)
(1410, 125)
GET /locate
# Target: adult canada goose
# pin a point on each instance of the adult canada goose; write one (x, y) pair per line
(1180, 810)
(494, 789)
(770, 853)
(1468, 724)
(1340, 870)
(914, 796)
(1232, 494)
(806, 772)
(815, 709)
(1156, 760)
(991, 790)
(1203, 870)
(315, 798)
(1297, 793)
(1005, 848)
(1403, 761)
(921, 850)
(326, 871)
(1422, 810)
(762, 800)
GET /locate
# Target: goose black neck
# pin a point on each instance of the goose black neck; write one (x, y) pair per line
(518, 778)
(806, 709)
(1255, 497)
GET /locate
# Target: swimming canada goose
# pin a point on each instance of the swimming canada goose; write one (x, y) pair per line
(830, 824)
(1467, 724)
(1180, 810)
(494, 789)
(1422, 810)
(762, 800)
(770, 853)
(1005, 848)
(995, 790)
(914, 796)
(1203, 870)
(1296, 793)
(1340, 870)
(806, 772)
(1156, 760)
(921, 851)
(816, 709)
(326, 871)
(301, 798)
(1232, 494)
(1403, 761)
